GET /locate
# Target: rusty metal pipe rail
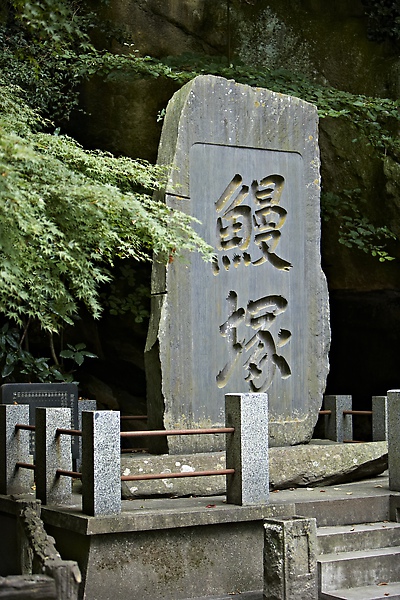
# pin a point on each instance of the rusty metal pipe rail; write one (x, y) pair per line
(150, 476)
(25, 427)
(337, 426)
(348, 412)
(134, 418)
(72, 432)
(357, 412)
(166, 432)
(73, 474)
(22, 465)
(101, 468)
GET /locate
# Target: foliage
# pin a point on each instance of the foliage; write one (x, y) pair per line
(383, 19)
(77, 353)
(50, 60)
(18, 363)
(39, 45)
(374, 117)
(66, 214)
(128, 292)
(355, 230)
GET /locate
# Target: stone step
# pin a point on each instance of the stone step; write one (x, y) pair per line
(355, 507)
(359, 568)
(370, 592)
(346, 538)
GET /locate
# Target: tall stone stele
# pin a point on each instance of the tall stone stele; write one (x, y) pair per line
(245, 163)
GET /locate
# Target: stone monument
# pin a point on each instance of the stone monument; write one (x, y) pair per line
(245, 163)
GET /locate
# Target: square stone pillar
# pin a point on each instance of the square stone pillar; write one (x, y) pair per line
(101, 462)
(379, 418)
(83, 405)
(53, 452)
(290, 559)
(247, 448)
(14, 447)
(338, 427)
(393, 407)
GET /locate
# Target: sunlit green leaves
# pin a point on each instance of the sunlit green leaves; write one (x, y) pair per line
(77, 353)
(355, 229)
(66, 214)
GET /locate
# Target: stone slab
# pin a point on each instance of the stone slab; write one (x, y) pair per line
(369, 592)
(326, 464)
(307, 465)
(243, 596)
(245, 163)
(173, 564)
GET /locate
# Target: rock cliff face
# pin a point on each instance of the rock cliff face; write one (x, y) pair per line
(328, 43)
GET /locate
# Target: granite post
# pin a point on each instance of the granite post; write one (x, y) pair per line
(101, 463)
(14, 447)
(247, 448)
(53, 452)
(245, 163)
(379, 418)
(393, 408)
(83, 405)
(290, 559)
(338, 427)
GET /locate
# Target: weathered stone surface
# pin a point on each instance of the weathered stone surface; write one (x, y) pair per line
(134, 464)
(326, 464)
(329, 44)
(393, 439)
(175, 548)
(245, 162)
(290, 559)
(308, 465)
(165, 27)
(42, 556)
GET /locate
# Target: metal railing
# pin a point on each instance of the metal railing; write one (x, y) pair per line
(101, 457)
(338, 417)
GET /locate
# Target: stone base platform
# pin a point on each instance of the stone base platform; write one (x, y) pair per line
(181, 548)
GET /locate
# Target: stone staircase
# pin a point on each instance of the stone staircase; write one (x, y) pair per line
(359, 561)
